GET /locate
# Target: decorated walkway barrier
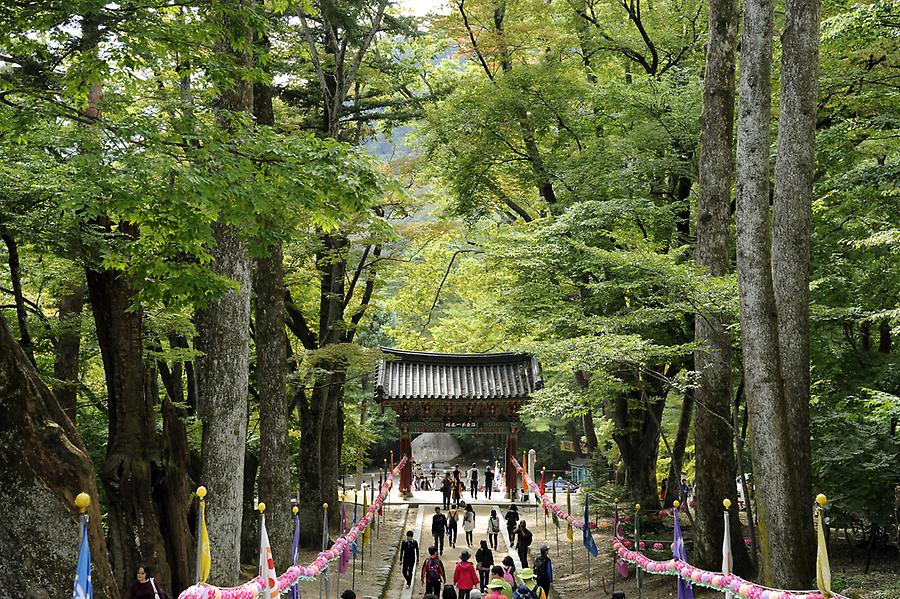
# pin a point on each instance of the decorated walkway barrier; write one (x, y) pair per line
(296, 573)
(725, 583)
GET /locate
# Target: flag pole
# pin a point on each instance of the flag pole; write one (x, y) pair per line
(637, 545)
(355, 543)
(823, 569)
(83, 587)
(556, 520)
(324, 543)
(615, 534)
(294, 591)
(337, 581)
(374, 520)
(201, 505)
(726, 545)
(544, 490)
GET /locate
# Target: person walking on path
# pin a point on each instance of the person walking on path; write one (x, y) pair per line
(457, 492)
(484, 558)
(452, 528)
(498, 576)
(469, 524)
(409, 557)
(523, 541)
(445, 491)
(433, 575)
(493, 528)
(509, 571)
(512, 519)
(529, 581)
(543, 569)
(495, 591)
(449, 592)
(488, 481)
(464, 577)
(438, 528)
(348, 594)
(473, 481)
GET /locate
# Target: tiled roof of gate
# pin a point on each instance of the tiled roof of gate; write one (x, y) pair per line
(411, 375)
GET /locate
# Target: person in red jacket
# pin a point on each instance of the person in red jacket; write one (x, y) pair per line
(464, 576)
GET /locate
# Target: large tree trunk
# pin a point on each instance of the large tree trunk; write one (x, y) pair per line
(224, 337)
(271, 381)
(637, 437)
(250, 523)
(174, 494)
(222, 381)
(133, 445)
(776, 498)
(712, 431)
(791, 253)
(673, 481)
(321, 414)
(271, 377)
(43, 465)
(66, 361)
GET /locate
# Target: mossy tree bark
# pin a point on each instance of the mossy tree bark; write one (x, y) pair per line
(43, 465)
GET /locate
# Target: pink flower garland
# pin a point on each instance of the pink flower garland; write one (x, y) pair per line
(713, 580)
(250, 590)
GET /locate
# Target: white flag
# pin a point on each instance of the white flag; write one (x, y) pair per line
(726, 553)
(267, 565)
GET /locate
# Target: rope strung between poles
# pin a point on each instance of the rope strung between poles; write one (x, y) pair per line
(294, 574)
(713, 580)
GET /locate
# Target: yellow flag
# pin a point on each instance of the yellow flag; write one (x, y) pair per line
(365, 511)
(205, 558)
(823, 570)
(569, 532)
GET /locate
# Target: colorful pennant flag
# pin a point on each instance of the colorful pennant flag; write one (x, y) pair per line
(203, 547)
(83, 588)
(685, 591)
(589, 543)
(569, 532)
(267, 574)
(823, 570)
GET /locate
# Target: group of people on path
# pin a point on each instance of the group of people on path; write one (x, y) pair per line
(480, 579)
(483, 577)
(454, 484)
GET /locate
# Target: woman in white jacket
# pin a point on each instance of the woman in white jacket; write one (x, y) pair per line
(469, 524)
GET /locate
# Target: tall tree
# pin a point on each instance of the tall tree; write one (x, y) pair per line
(43, 459)
(791, 218)
(271, 370)
(712, 429)
(223, 325)
(784, 514)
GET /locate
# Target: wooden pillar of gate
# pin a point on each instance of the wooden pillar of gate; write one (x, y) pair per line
(512, 478)
(406, 471)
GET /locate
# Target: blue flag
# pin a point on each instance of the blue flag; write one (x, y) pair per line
(294, 592)
(685, 591)
(589, 543)
(83, 588)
